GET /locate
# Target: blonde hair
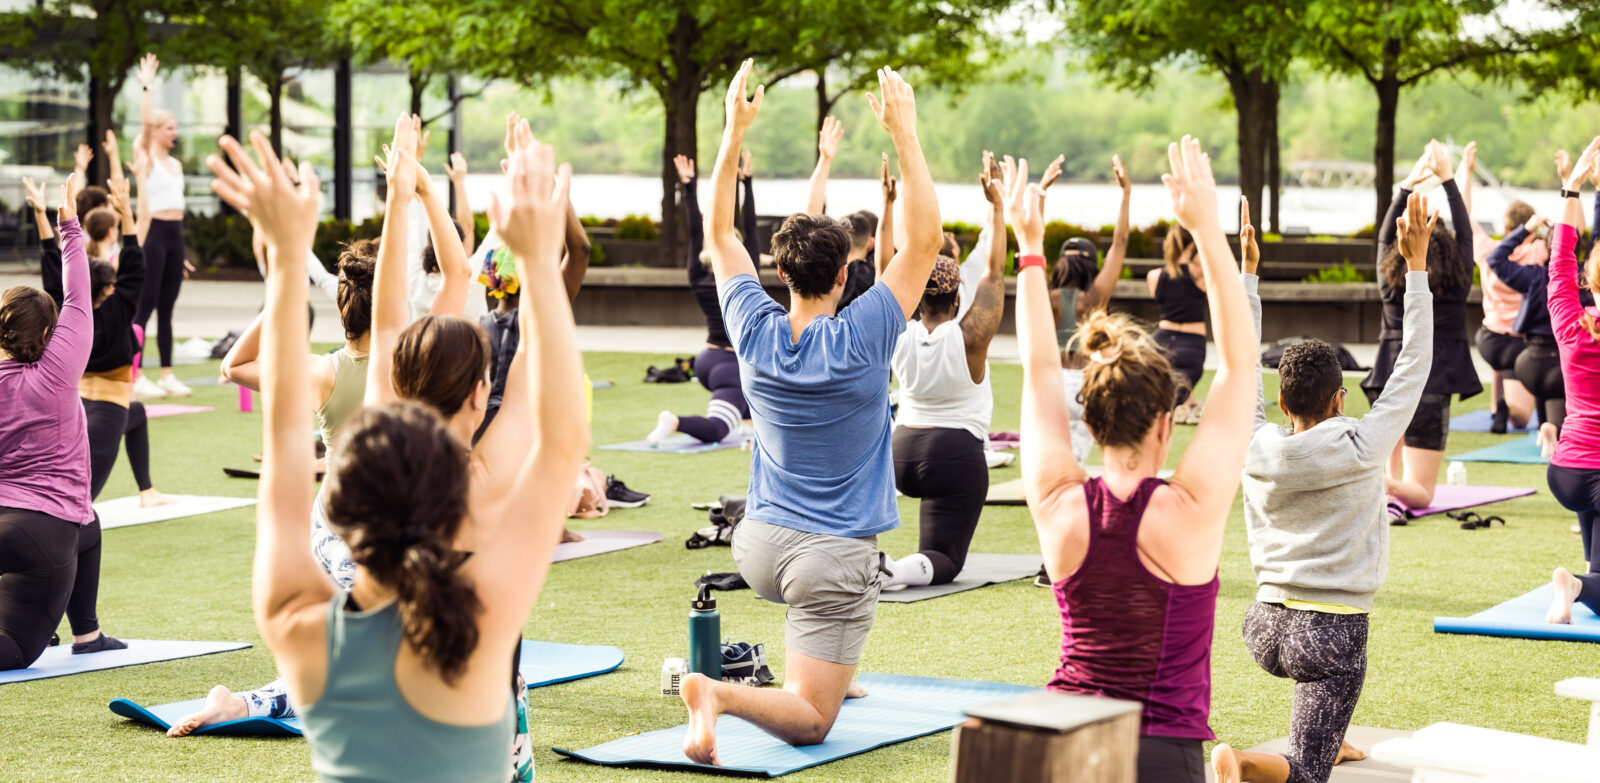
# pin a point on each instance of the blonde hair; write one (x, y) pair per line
(1178, 241)
(1128, 384)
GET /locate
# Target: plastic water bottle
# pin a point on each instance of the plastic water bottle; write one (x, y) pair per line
(1456, 476)
(705, 635)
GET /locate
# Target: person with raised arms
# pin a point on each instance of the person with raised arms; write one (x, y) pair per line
(1135, 557)
(404, 674)
(864, 227)
(822, 467)
(162, 187)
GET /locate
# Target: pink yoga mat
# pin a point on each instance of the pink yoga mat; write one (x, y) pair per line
(163, 409)
(1447, 497)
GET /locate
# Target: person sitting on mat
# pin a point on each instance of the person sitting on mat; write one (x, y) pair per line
(942, 424)
(417, 648)
(1574, 472)
(1314, 509)
(1498, 343)
(1135, 556)
(822, 468)
(49, 533)
(1413, 470)
(716, 368)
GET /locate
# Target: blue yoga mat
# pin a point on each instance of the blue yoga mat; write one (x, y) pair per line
(1524, 451)
(1523, 618)
(542, 663)
(679, 443)
(58, 661)
(896, 708)
(1479, 421)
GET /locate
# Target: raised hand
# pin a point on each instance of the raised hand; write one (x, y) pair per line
(1414, 231)
(118, 194)
(285, 213)
(828, 138)
(1439, 160)
(1419, 170)
(1008, 174)
(82, 157)
(1120, 173)
(1247, 238)
(68, 211)
(747, 168)
(423, 136)
(888, 181)
(1469, 158)
(1535, 223)
(1192, 185)
(897, 110)
(742, 112)
(1585, 167)
(400, 167)
(1016, 187)
(35, 194)
(988, 181)
(1051, 173)
(1563, 165)
(532, 218)
(685, 166)
(148, 65)
(456, 168)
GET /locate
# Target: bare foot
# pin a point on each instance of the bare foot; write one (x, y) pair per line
(1348, 752)
(700, 744)
(1225, 762)
(569, 537)
(221, 705)
(1567, 587)
(1546, 439)
(855, 691)
(153, 497)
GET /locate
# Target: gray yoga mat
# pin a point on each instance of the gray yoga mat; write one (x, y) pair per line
(980, 570)
(1368, 771)
(599, 542)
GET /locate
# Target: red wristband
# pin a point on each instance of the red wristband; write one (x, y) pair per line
(1023, 262)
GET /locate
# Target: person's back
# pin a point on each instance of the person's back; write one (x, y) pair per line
(936, 386)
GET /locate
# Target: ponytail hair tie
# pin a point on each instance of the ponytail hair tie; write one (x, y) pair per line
(1106, 355)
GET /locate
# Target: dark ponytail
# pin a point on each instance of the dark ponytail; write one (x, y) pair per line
(27, 319)
(397, 493)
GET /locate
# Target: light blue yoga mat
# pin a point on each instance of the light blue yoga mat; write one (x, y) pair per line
(542, 663)
(58, 661)
(1524, 451)
(1523, 618)
(679, 443)
(1479, 421)
(896, 708)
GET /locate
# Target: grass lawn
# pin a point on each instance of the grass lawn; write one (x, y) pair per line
(190, 579)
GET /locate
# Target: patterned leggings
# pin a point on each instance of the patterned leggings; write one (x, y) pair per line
(1326, 656)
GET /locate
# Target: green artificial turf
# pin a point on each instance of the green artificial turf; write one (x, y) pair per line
(190, 579)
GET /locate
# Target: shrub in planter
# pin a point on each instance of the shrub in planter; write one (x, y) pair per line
(597, 254)
(1343, 272)
(218, 240)
(1142, 245)
(637, 227)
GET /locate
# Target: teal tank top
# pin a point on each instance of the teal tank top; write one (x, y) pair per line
(362, 730)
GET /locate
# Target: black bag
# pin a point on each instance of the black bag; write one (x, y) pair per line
(724, 515)
(1274, 354)
(681, 371)
(220, 348)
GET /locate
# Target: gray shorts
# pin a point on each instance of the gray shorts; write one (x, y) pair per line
(830, 584)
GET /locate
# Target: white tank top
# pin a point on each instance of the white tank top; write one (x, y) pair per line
(164, 186)
(936, 389)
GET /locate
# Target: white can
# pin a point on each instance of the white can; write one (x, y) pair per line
(1456, 475)
(672, 673)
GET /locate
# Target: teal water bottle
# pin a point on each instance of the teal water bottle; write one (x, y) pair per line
(705, 635)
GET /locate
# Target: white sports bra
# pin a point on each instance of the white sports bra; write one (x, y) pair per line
(164, 187)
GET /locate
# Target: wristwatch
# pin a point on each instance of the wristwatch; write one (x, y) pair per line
(1569, 193)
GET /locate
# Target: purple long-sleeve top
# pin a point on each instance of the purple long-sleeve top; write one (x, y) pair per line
(44, 440)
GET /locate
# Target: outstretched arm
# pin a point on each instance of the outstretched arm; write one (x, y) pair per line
(456, 170)
(575, 264)
(1251, 253)
(1382, 427)
(827, 146)
(728, 256)
(390, 312)
(883, 245)
(982, 320)
(747, 214)
(1566, 310)
(67, 353)
(148, 65)
(1106, 281)
(907, 273)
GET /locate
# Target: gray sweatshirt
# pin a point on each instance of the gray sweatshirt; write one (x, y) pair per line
(1314, 503)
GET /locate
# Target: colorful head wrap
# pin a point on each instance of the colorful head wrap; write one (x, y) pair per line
(945, 277)
(499, 273)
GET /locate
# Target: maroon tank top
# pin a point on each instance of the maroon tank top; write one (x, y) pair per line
(1128, 634)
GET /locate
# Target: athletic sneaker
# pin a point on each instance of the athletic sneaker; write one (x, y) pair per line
(619, 496)
(173, 387)
(1042, 579)
(1397, 515)
(998, 459)
(146, 389)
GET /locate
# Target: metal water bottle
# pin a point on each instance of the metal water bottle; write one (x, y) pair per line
(705, 635)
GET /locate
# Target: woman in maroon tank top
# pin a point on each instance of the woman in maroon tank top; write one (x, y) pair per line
(1135, 556)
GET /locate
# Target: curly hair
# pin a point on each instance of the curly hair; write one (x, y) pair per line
(1309, 375)
(809, 251)
(1447, 270)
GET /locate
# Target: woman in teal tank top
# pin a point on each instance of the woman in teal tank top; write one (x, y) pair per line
(403, 675)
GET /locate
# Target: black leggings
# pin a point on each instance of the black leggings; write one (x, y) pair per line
(1326, 656)
(1499, 351)
(108, 423)
(1577, 489)
(1171, 760)
(163, 270)
(718, 371)
(1539, 369)
(1187, 353)
(44, 562)
(945, 468)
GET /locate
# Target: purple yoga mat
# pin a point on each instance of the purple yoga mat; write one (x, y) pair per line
(163, 409)
(599, 542)
(1450, 498)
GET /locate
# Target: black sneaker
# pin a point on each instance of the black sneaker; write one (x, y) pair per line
(1042, 579)
(101, 643)
(1502, 416)
(619, 496)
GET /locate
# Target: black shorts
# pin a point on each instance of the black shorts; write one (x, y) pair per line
(1430, 425)
(1171, 760)
(1498, 350)
(1187, 353)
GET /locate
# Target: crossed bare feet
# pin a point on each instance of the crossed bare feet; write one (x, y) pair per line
(221, 705)
(1567, 587)
(153, 497)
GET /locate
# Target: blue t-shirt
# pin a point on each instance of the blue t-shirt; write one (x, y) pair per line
(822, 460)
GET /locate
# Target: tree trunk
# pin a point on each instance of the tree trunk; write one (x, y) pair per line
(1274, 164)
(823, 104)
(274, 83)
(1250, 97)
(1388, 89)
(102, 117)
(419, 85)
(680, 97)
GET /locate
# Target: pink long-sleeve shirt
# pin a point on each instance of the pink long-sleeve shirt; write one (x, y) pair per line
(1580, 358)
(44, 439)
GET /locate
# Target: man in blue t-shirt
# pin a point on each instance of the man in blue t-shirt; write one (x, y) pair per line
(822, 469)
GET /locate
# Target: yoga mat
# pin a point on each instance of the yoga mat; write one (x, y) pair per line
(979, 570)
(58, 661)
(1364, 771)
(679, 443)
(599, 542)
(1524, 451)
(1479, 421)
(124, 512)
(1523, 618)
(164, 409)
(542, 663)
(250, 473)
(1009, 493)
(1450, 498)
(896, 708)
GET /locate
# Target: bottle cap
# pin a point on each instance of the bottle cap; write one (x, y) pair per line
(704, 603)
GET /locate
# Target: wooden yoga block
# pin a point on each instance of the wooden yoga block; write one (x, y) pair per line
(1048, 736)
